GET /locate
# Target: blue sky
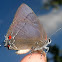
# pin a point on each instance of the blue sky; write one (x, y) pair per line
(7, 12)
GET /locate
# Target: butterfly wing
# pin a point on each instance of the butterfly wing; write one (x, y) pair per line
(25, 30)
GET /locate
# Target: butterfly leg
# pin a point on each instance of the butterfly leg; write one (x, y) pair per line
(31, 54)
(32, 49)
(47, 49)
(41, 54)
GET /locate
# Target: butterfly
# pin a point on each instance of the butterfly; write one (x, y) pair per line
(26, 33)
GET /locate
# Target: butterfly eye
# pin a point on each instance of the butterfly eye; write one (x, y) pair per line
(49, 40)
(9, 37)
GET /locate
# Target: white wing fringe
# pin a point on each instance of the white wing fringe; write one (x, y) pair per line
(22, 51)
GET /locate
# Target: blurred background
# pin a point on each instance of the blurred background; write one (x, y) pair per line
(49, 13)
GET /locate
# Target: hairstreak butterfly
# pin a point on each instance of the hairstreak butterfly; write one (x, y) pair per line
(26, 33)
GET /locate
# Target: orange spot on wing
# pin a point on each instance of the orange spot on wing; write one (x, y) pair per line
(8, 45)
(9, 37)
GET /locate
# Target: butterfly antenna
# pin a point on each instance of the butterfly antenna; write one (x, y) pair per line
(56, 31)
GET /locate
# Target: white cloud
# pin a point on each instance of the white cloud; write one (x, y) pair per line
(45, 1)
(51, 21)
